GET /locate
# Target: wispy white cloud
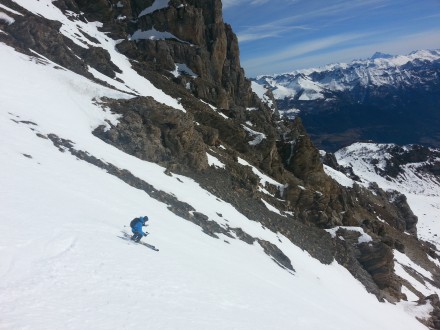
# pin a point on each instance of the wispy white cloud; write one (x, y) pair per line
(266, 31)
(306, 57)
(428, 17)
(284, 35)
(258, 2)
(303, 49)
(401, 45)
(340, 8)
(231, 3)
(305, 12)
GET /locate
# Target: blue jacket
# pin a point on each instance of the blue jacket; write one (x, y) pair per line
(137, 228)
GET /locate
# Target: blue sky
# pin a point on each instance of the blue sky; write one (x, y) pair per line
(279, 36)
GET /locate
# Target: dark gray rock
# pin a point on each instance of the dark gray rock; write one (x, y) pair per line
(278, 256)
(153, 131)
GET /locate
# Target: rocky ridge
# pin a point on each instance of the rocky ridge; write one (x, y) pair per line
(412, 170)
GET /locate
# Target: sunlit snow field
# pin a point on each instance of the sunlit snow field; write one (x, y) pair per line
(64, 266)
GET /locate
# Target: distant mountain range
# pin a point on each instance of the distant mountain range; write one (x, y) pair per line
(386, 98)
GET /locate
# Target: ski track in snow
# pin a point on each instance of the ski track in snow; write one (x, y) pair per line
(63, 265)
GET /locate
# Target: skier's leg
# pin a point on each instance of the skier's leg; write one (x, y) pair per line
(136, 237)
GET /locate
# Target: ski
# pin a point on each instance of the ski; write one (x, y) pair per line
(152, 247)
(127, 237)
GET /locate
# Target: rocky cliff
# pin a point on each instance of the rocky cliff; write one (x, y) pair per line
(189, 34)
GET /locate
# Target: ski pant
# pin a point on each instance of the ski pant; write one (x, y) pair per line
(137, 236)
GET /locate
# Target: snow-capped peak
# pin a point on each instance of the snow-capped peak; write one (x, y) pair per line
(380, 55)
(380, 69)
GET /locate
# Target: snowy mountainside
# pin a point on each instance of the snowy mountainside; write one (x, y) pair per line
(384, 99)
(253, 234)
(412, 170)
(69, 268)
(379, 70)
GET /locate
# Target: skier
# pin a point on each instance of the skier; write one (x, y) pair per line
(136, 227)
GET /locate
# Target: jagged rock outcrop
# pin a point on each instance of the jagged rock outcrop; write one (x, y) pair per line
(153, 131)
(43, 37)
(330, 160)
(277, 255)
(404, 212)
(298, 152)
(377, 259)
(196, 37)
(427, 158)
(320, 200)
(434, 321)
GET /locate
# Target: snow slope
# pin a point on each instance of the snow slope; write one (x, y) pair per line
(422, 191)
(72, 28)
(64, 264)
